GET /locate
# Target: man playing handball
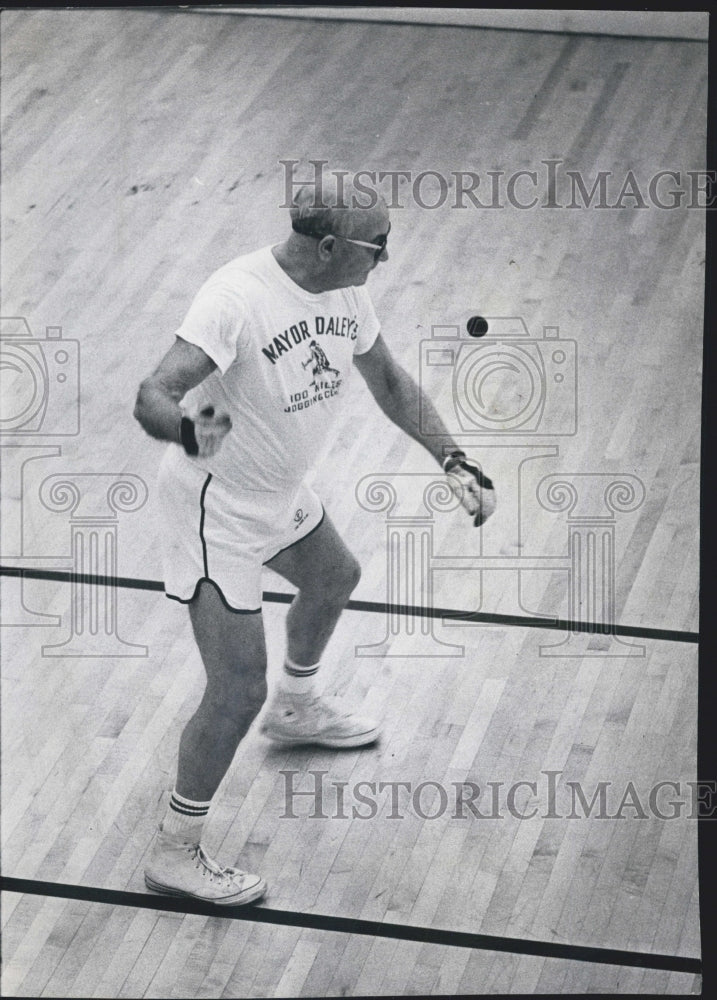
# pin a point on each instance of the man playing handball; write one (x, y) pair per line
(245, 394)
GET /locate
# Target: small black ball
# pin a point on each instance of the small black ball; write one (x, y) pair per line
(477, 326)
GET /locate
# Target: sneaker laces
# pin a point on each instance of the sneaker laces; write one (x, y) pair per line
(333, 707)
(304, 708)
(214, 869)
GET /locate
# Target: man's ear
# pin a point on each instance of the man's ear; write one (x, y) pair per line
(326, 246)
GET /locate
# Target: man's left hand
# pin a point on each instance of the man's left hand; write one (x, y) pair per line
(474, 490)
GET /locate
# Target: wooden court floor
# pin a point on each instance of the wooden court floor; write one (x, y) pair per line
(140, 151)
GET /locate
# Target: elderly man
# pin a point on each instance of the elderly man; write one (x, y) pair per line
(257, 373)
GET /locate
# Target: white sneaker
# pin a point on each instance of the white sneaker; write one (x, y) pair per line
(179, 868)
(296, 720)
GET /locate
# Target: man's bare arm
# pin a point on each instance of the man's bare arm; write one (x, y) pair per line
(157, 407)
(400, 398)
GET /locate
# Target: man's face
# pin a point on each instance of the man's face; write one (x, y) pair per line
(350, 263)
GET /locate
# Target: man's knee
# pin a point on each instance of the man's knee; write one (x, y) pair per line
(253, 690)
(353, 574)
(237, 694)
(342, 581)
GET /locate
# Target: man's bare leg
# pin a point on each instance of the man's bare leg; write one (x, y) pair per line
(233, 652)
(326, 573)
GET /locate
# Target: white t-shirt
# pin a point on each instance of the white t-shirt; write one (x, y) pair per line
(283, 356)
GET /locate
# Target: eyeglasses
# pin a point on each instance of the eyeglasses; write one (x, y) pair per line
(379, 244)
(378, 247)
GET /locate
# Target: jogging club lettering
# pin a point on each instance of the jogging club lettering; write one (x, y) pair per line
(297, 333)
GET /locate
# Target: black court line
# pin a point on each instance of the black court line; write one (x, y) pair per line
(353, 925)
(411, 610)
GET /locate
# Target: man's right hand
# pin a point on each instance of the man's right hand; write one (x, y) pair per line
(203, 435)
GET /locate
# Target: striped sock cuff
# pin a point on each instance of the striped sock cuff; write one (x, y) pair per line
(195, 810)
(295, 670)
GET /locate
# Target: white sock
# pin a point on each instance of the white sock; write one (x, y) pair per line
(184, 818)
(296, 679)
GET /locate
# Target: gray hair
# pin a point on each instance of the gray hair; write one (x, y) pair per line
(318, 212)
(315, 213)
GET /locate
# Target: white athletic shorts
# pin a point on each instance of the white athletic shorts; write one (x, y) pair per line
(213, 531)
